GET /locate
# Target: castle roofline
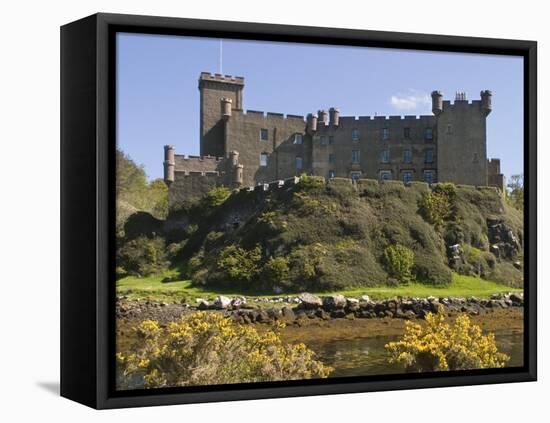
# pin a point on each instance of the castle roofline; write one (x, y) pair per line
(218, 77)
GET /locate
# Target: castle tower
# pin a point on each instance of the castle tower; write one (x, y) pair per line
(169, 164)
(311, 123)
(461, 134)
(219, 94)
(437, 102)
(334, 116)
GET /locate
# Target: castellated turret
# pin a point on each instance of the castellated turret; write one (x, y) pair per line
(322, 116)
(311, 123)
(226, 107)
(437, 102)
(486, 101)
(169, 164)
(334, 116)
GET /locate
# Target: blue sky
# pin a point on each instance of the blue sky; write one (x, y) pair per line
(158, 98)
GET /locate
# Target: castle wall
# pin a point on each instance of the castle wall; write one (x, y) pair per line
(190, 187)
(462, 145)
(243, 135)
(371, 144)
(494, 177)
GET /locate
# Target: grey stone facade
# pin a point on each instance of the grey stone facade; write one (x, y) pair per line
(246, 148)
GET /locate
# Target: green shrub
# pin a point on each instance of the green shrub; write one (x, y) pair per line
(209, 349)
(276, 272)
(216, 197)
(310, 183)
(431, 269)
(399, 261)
(239, 264)
(439, 206)
(143, 256)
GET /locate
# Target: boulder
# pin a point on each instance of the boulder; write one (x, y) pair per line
(365, 298)
(287, 313)
(238, 302)
(334, 302)
(202, 304)
(309, 301)
(221, 302)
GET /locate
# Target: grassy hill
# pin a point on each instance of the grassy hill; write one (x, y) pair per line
(336, 236)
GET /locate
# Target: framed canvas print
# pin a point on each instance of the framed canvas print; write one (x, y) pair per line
(255, 211)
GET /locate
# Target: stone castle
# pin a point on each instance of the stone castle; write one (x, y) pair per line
(241, 148)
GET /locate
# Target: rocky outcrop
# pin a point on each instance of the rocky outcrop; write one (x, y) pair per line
(504, 243)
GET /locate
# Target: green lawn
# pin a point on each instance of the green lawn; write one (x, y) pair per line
(154, 289)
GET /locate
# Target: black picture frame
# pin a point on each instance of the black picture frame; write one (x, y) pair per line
(88, 198)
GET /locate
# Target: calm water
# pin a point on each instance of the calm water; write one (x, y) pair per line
(367, 356)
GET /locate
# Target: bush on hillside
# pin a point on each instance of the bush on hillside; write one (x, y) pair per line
(399, 261)
(239, 264)
(142, 257)
(438, 207)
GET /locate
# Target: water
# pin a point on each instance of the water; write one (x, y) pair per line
(367, 356)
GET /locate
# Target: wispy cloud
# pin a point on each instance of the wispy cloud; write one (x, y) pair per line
(412, 100)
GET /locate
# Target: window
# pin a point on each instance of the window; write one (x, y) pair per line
(407, 133)
(263, 159)
(429, 134)
(429, 155)
(331, 140)
(355, 156)
(331, 158)
(263, 134)
(355, 176)
(429, 176)
(449, 129)
(298, 139)
(355, 134)
(385, 175)
(385, 156)
(331, 173)
(324, 140)
(386, 133)
(299, 163)
(407, 156)
(407, 177)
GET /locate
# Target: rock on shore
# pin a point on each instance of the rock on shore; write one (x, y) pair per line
(311, 306)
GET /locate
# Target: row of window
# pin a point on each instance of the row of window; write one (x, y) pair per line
(385, 156)
(386, 175)
(355, 135)
(356, 157)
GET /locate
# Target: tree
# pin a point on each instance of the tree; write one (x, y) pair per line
(515, 191)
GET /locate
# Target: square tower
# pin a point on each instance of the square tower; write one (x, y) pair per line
(214, 88)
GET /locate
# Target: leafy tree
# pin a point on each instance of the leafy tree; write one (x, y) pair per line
(515, 192)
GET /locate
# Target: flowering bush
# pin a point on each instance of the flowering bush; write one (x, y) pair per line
(207, 348)
(440, 346)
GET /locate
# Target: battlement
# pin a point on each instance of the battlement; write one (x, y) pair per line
(272, 115)
(198, 158)
(217, 77)
(349, 119)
